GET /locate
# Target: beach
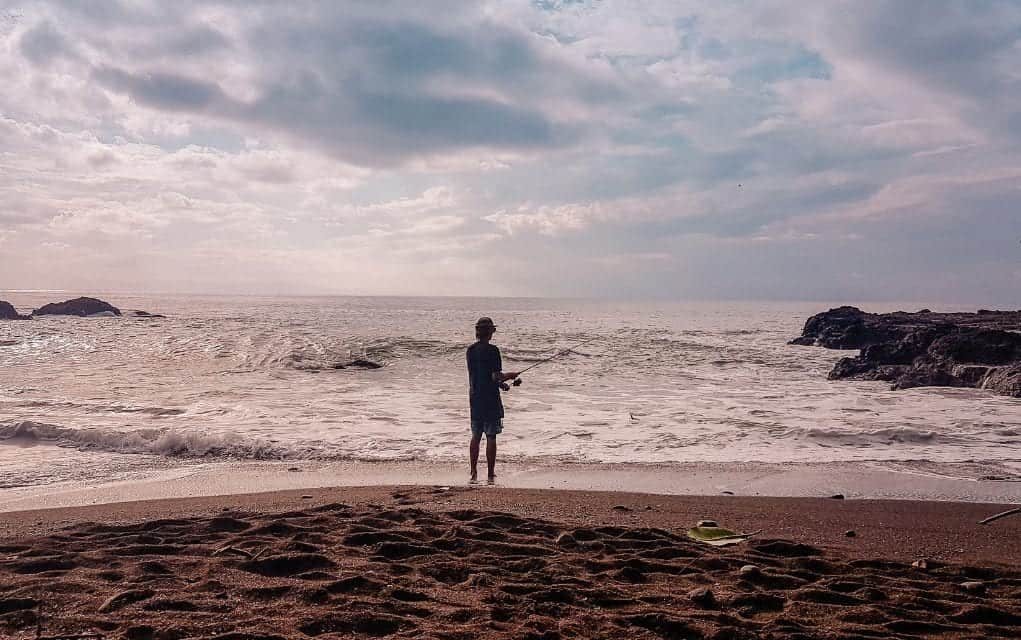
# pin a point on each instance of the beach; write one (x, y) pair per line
(461, 562)
(907, 480)
(225, 473)
(731, 290)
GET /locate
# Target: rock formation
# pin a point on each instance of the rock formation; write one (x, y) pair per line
(78, 307)
(981, 350)
(8, 312)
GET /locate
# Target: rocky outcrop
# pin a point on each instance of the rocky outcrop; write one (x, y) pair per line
(78, 307)
(981, 350)
(843, 328)
(8, 312)
(146, 314)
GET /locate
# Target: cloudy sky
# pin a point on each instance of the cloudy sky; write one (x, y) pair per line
(787, 150)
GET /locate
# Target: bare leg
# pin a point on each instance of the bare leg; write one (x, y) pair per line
(491, 456)
(473, 454)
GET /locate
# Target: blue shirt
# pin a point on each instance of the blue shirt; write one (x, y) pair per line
(484, 392)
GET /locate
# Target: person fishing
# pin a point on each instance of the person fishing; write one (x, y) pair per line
(485, 380)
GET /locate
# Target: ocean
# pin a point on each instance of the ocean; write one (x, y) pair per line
(94, 400)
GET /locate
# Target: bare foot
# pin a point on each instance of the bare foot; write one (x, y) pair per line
(474, 479)
(491, 480)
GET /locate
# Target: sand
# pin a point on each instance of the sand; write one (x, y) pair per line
(918, 480)
(454, 562)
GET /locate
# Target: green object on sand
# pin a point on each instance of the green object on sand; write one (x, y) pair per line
(717, 536)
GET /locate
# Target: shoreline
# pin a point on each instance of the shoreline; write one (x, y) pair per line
(854, 480)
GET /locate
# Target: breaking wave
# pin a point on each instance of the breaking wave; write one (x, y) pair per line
(314, 355)
(163, 442)
(155, 412)
(885, 436)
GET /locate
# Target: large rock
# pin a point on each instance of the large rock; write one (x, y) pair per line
(981, 350)
(77, 307)
(841, 328)
(8, 312)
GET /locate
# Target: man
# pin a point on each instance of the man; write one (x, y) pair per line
(485, 379)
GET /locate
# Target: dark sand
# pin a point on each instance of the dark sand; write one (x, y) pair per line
(432, 562)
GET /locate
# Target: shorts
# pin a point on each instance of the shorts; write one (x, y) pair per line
(488, 427)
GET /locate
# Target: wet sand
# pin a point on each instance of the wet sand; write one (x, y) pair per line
(955, 482)
(454, 562)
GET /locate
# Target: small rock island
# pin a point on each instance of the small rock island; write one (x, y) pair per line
(8, 312)
(82, 307)
(980, 350)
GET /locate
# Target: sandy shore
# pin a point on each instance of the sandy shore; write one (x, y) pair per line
(453, 562)
(955, 482)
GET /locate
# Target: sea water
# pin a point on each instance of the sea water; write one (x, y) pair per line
(253, 378)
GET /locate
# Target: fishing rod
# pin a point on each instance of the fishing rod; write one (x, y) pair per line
(517, 381)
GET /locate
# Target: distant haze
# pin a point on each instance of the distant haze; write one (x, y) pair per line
(768, 150)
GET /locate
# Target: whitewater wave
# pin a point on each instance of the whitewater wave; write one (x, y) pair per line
(155, 412)
(163, 442)
(315, 355)
(521, 355)
(885, 436)
(403, 347)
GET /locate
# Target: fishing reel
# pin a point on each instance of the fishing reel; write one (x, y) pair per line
(506, 387)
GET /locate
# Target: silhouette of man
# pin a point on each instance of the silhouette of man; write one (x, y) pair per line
(485, 379)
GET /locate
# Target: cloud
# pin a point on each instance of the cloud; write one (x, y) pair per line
(547, 220)
(43, 43)
(683, 148)
(164, 90)
(371, 89)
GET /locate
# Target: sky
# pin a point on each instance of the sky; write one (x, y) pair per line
(782, 149)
